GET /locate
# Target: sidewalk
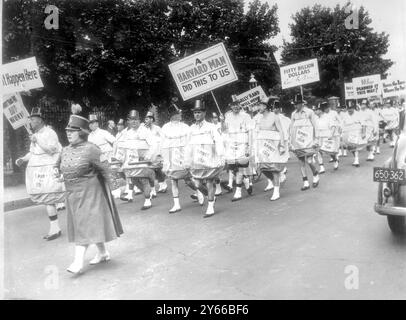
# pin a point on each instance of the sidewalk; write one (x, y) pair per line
(16, 197)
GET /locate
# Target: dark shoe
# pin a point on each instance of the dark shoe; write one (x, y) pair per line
(236, 199)
(53, 236)
(207, 215)
(194, 197)
(315, 184)
(125, 199)
(249, 190)
(305, 188)
(146, 207)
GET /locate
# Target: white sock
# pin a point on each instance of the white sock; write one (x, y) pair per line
(246, 183)
(54, 227)
(210, 207)
(129, 195)
(176, 202)
(237, 193)
(306, 183)
(127, 188)
(153, 192)
(270, 185)
(218, 188)
(276, 194)
(230, 179)
(116, 193)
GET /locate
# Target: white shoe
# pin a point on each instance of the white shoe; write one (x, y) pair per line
(340, 153)
(137, 191)
(378, 151)
(335, 165)
(162, 187)
(147, 204)
(75, 267)
(153, 193)
(345, 153)
(322, 169)
(175, 209)
(100, 258)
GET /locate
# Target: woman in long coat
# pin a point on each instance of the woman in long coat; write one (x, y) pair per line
(91, 212)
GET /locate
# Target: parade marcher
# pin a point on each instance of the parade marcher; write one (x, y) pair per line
(41, 184)
(111, 128)
(285, 123)
(271, 147)
(303, 140)
(104, 140)
(92, 216)
(328, 135)
(116, 166)
(382, 125)
(155, 132)
(391, 116)
(237, 135)
(376, 118)
(371, 128)
(101, 138)
(217, 123)
(175, 137)
(354, 133)
(205, 153)
(140, 151)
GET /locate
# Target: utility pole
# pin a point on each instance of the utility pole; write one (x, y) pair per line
(340, 71)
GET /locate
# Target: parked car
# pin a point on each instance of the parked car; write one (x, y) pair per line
(392, 188)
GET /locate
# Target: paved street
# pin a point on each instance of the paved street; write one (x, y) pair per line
(297, 247)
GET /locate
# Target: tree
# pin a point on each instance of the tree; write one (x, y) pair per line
(320, 32)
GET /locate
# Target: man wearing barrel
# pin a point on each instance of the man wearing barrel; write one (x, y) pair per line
(41, 182)
(205, 154)
(155, 132)
(237, 134)
(138, 153)
(328, 135)
(303, 139)
(271, 147)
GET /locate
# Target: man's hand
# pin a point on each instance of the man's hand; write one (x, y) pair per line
(19, 162)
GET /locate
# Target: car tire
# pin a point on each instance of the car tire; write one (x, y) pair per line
(397, 224)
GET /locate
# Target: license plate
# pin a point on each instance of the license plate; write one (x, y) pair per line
(389, 175)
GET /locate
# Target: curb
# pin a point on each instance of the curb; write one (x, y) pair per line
(18, 204)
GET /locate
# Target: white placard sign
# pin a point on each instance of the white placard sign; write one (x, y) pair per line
(300, 73)
(15, 111)
(251, 97)
(203, 71)
(393, 88)
(368, 86)
(349, 91)
(21, 75)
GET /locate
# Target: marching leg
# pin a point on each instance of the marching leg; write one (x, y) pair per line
(276, 195)
(175, 193)
(321, 164)
(356, 159)
(306, 185)
(237, 194)
(211, 199)
(54, 229)
(316, 177)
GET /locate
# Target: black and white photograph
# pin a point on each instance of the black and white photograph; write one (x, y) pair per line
(206, 150)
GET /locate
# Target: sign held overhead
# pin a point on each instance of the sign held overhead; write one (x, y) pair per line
(300, 73)
(21, 75)
(393, 88)
(15, 111)
(203, 71)
(368, 86)
(251, 97)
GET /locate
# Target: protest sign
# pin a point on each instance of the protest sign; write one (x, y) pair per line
(21, 75)
(203, 71)
(393, 88)
(14, 110)
(300, 73)
(251, 97)
(368, 86)
(349, 91)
